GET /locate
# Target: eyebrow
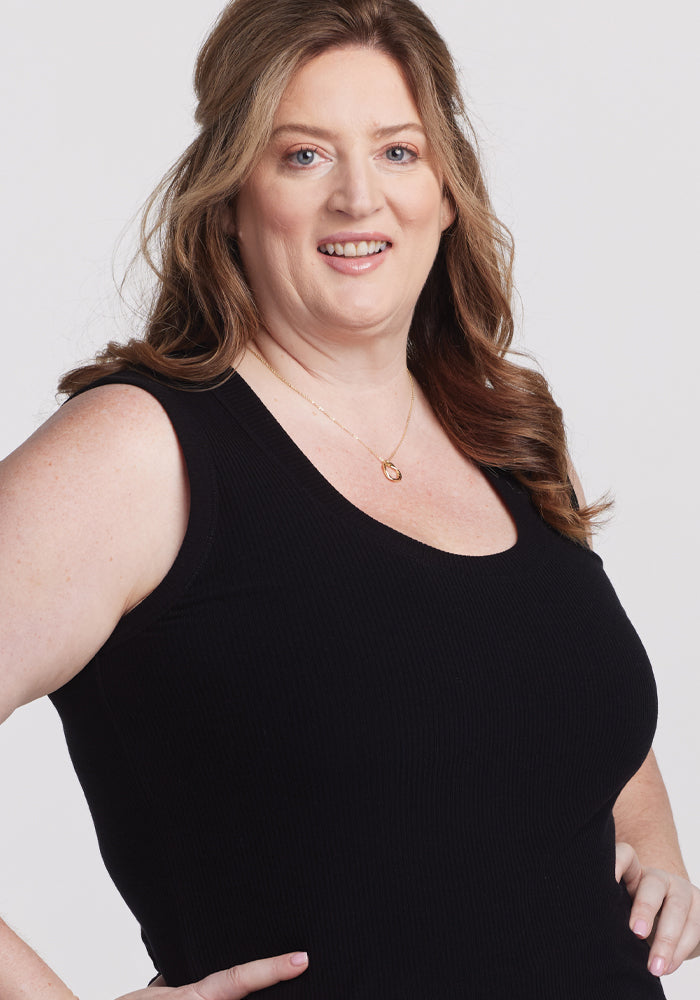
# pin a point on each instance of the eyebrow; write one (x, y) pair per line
(321, 133)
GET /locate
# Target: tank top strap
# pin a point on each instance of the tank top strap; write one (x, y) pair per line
(183, 409)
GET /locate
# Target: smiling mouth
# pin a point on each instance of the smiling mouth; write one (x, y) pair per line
(362, 249)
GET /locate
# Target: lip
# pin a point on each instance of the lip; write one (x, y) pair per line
(347, 237)
(355, 265)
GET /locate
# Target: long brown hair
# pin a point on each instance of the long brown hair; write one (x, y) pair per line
(498, 413)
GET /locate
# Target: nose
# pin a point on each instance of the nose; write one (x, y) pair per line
(357, 191)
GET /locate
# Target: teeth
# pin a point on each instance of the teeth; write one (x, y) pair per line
(361, 249)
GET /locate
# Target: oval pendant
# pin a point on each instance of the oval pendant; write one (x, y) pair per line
(391, 472)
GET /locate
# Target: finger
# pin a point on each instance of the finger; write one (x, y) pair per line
(628, 867)
(240, 980)
(648, 900)
(689, 938)
(670, 926)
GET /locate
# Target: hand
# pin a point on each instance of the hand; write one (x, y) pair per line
(229, 984)
(665, 910)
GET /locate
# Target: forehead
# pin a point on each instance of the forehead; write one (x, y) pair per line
(353, 87)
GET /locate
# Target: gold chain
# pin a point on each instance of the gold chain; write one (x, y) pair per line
(388, 468)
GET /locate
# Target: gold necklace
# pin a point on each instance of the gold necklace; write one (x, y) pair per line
(388, 468)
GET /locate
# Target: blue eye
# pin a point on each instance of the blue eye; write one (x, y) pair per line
(399, 154)
(303, 157)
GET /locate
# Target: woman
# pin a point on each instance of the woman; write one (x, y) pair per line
(334, 654)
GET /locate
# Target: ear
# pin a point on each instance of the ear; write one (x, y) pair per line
(448, 212)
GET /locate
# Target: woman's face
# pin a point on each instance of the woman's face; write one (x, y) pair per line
(348, 166)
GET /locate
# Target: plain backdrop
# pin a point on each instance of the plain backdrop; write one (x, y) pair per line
(587, 115)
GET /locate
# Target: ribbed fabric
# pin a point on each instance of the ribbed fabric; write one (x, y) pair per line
(320, 734)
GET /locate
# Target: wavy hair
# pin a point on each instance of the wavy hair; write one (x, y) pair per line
(203, 313)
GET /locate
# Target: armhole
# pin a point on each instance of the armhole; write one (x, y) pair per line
(203, 503)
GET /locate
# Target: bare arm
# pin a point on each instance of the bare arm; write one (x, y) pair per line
(666, 906)
(92, 511)
(643, 818)
(23, 975)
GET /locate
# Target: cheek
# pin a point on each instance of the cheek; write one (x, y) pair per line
(273, 245)
(424, 209)
(272, 213)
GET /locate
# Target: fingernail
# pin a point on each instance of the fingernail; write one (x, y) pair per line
(657, 967)
(299, 958)
(641, 928)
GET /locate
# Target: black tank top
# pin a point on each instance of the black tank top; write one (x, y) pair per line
(320, 734)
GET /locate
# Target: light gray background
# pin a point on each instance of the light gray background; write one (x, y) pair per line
(588, 117)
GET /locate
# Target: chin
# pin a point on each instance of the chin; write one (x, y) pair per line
(358, 321)
(353, 314)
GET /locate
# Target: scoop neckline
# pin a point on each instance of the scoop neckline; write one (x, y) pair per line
(271, 436)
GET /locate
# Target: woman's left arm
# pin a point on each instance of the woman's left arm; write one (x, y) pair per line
(666, 907)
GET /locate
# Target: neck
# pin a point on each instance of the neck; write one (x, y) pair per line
(358, 367)
(367, 391)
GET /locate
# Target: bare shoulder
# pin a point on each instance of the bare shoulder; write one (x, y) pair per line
(93, 509)
(112, 413)
(115, 441)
